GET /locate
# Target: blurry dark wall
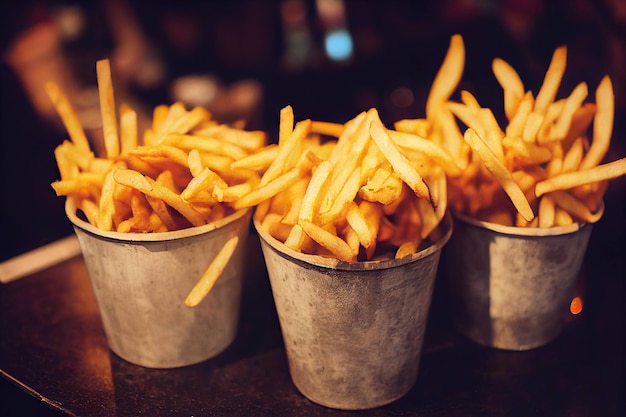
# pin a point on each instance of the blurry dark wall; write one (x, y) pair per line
(398, 47)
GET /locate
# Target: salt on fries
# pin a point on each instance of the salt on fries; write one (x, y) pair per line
(180, 173)
(541, 169)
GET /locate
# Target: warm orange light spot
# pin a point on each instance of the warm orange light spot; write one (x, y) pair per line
(576, 306)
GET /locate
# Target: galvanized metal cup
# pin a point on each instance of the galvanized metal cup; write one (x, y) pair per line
(511, 287)
(140, 282)
(353, 332)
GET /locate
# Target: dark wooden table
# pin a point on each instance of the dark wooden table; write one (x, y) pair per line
(54, 358)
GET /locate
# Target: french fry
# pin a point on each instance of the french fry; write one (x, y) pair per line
(286, 124)
(315, 190)
(68, 116)
(572, 103)
(570, 180)
(107, 108)
(270, 189)
(400, 164)
(447, 78)
(552, 81)
(288, 152)
(602, 124)
(153, 189)
(128, 129)
(512, 86)
(501, 173)
(337, 246)
(212, 273)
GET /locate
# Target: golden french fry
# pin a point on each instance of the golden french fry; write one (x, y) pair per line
(575, 207)
(419, 127)
(327, 128)
(189, 120)
(173, 112)
(333, 243)
(68, 169)
(447, 77)
(353, 143)
(533, 125)
(250, 140)
(358, 223)
(399, 163)
(187, 142)
(159, 114)
(511, 84)
(424, 146)
(90, 208)
(212, 273)
(408, 248)
(574, 156)
(570, 180)
(68, 116)
(288, 153)
(297, 239)
(257, 161)
(581, 120)
(106, 205)
(270, 189)
(525, 153)
(545, 134)
(205, 180)
(128, 129)
(602, 124)
(469, 100)
(501, 173)
(286, 123)
(315, 190)
(552, 80)
(107, 108)
(168, 152)
(546, 211)
(572, 103)
(343, 199)
(194, 162)
(515, 128)
(562, 218)
(152, 188)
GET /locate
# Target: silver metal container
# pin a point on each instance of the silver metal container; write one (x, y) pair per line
(140, 282)
(511, 287)
(353, 332)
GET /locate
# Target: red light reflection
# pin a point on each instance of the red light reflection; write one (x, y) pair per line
(576, 306)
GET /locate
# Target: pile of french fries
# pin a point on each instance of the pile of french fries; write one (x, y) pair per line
(357, 191)
(176, 175)
(541, 169)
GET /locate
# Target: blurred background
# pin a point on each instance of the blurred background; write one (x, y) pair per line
(246, 59)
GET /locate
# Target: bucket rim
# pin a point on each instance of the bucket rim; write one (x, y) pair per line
(70, 211)
(527, 231)
(336, 264)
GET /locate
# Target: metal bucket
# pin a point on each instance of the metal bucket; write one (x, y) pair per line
(511, 287)
(353, 332)
(140, 282)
